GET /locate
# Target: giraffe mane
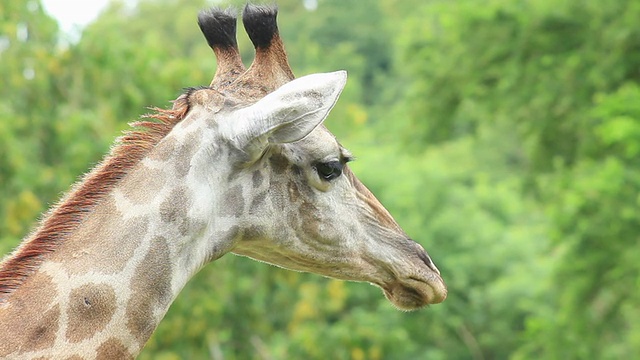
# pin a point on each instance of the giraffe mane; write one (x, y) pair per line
(63, 218)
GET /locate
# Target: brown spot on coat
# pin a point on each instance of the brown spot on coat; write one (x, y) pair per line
(254, 232)
(279, 163)
(142, 185)
(91, 307)
(175, 210)
(309, 219)
(164, 150)
(44, 334)
(113, 349)
(257, 178)
(293, 219)
(257, 202)
(30, 322)
(174, 206)
(113, 242)
(185, 152)
(151, 285)
(294, 192)
(233, 202)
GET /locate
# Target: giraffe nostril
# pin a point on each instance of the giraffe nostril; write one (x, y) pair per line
(422, 254)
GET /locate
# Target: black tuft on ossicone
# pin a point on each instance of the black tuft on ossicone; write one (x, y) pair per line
(218, 27)
(260, 23)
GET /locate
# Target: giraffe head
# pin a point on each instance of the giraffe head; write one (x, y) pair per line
(243, 165)
(291, 199)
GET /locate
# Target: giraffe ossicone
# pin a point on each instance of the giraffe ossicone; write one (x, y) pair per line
(242, 166)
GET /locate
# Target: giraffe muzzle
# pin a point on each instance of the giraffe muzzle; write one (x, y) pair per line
(417, 285)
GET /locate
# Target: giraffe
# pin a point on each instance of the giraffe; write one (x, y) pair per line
(242, 166)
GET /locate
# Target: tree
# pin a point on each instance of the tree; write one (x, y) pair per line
(557, 83)
(503, 135)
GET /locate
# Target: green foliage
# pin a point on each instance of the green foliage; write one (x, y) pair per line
(537, 64)
(502, 135)
(595, 220)
(559, 77)
(27, 39)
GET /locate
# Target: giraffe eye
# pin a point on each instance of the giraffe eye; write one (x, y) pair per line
(329, 170)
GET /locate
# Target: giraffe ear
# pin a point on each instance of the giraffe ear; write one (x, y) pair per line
(287, 114)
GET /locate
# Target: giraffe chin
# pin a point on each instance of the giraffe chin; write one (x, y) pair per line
(413, 293)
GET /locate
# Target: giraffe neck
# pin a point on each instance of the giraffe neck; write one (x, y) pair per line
(107, 285)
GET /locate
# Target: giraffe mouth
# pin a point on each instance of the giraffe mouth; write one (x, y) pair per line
(418, 287)
(415, 292)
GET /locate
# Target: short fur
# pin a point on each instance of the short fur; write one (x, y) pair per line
(72, 209)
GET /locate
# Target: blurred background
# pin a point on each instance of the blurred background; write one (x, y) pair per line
(503, 135)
